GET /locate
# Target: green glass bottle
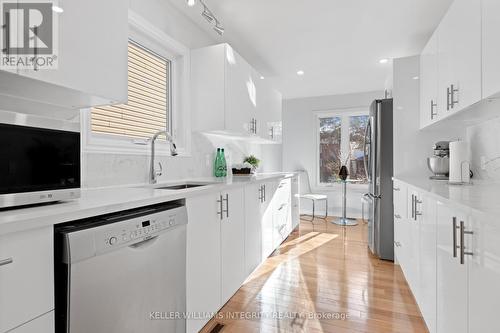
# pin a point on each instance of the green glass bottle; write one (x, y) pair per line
(223, 163)
(217, 163)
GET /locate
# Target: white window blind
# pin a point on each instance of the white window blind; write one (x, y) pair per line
(148, 107)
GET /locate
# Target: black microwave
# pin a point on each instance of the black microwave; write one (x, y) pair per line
(38, 165)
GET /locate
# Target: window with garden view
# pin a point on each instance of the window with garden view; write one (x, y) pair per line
(341, 139)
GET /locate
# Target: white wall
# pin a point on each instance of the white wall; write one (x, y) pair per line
(299, 144)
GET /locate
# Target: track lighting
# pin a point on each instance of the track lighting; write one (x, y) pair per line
(218, 28)
(207, 14)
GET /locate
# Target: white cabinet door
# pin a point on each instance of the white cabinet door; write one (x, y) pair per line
(411, 265)
(253, 219)
(484, 274)
(491, 47)
(451, 274)
(429, 108)
(208, 87)
(427, 261)
(232, 242)
(240, 92)
(203, 288)
(43, 324)
(269, 112)
(295, 201)
(400, 221)
(92, 60)
(267, 219)
(459, 56)
(26, 276)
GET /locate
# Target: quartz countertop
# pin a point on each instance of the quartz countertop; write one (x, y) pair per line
(480, 196)
(99, 201)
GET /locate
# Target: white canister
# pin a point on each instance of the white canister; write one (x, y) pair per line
(459, 162)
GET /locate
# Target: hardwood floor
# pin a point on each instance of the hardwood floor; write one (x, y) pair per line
(323, 279)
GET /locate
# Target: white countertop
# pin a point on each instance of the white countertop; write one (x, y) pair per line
(99, 201)
(481, 196)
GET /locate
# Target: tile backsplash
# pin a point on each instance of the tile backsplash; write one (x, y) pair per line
(100, 170)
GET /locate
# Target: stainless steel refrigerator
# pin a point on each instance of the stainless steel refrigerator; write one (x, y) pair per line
(378, 149)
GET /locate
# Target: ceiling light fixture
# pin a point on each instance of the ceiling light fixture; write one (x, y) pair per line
(57, 9)
(415, 78)
(191, 3)
(262, 77)
(207, 14)
(300, 72)
(383, 61)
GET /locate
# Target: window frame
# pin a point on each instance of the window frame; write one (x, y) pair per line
(145, 35)
(344, 115)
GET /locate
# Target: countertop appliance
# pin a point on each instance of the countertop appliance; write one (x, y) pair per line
(122, 272)
(40, 160)
(378, 162)
(439, 163)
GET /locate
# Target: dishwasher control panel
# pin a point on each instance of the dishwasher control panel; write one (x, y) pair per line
(138, 229)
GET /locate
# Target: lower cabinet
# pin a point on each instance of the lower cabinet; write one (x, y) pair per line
(484, 274)
(26, 278)
(232, 242)
(203, 266)
(451, 273)
(229, 235)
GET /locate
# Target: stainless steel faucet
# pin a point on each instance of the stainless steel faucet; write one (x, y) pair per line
(153, 173)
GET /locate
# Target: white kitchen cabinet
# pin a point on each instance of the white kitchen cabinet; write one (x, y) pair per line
(427, 260)
(282, 219)
(203, 269)
(484, 274)
(232, 242)
(267, 224)
(429, 108)
(269, 108)
(411, 265)
(459, 56)
(26, 276)
(253, 227)
(490, 48)
(92, 62)
(42, 324)
(451, 288)
(401, 223)
(228, 94)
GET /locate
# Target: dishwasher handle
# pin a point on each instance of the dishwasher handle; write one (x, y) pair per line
(145, 243)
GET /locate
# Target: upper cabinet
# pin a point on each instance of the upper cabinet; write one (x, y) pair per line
(491, 48)
(229, 95)
(91, 59)
(429, 109)
(451, 63)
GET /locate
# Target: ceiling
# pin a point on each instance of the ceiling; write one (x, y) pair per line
(337, 43)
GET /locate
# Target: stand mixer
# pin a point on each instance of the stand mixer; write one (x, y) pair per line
(439, 164)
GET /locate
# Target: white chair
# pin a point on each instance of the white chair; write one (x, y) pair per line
(305, 193)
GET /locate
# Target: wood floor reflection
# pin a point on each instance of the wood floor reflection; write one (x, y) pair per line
(323, 279)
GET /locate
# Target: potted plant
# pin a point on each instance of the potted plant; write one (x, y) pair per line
(253, 161)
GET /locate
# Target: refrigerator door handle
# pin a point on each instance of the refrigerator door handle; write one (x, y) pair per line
(365, 144)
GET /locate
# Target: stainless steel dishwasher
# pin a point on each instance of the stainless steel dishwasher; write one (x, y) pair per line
(123, 272)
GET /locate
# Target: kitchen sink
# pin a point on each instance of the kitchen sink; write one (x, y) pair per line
(182, 186)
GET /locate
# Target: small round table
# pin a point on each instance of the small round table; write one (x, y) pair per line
(344, 220)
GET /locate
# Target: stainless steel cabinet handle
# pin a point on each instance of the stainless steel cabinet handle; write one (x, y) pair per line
(227, 205)
(6, 261)
(453, 100)
(397, 189)
(6, 28)
(397, 216)
(455, 246)
(413, 206)
(433, 113)
(220, 207)
(448, 95)
(260, 194)
(417, 213)
(463, 253)
(264, 186)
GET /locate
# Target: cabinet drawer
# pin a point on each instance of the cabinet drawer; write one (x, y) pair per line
(27, 282)
(42, 324)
